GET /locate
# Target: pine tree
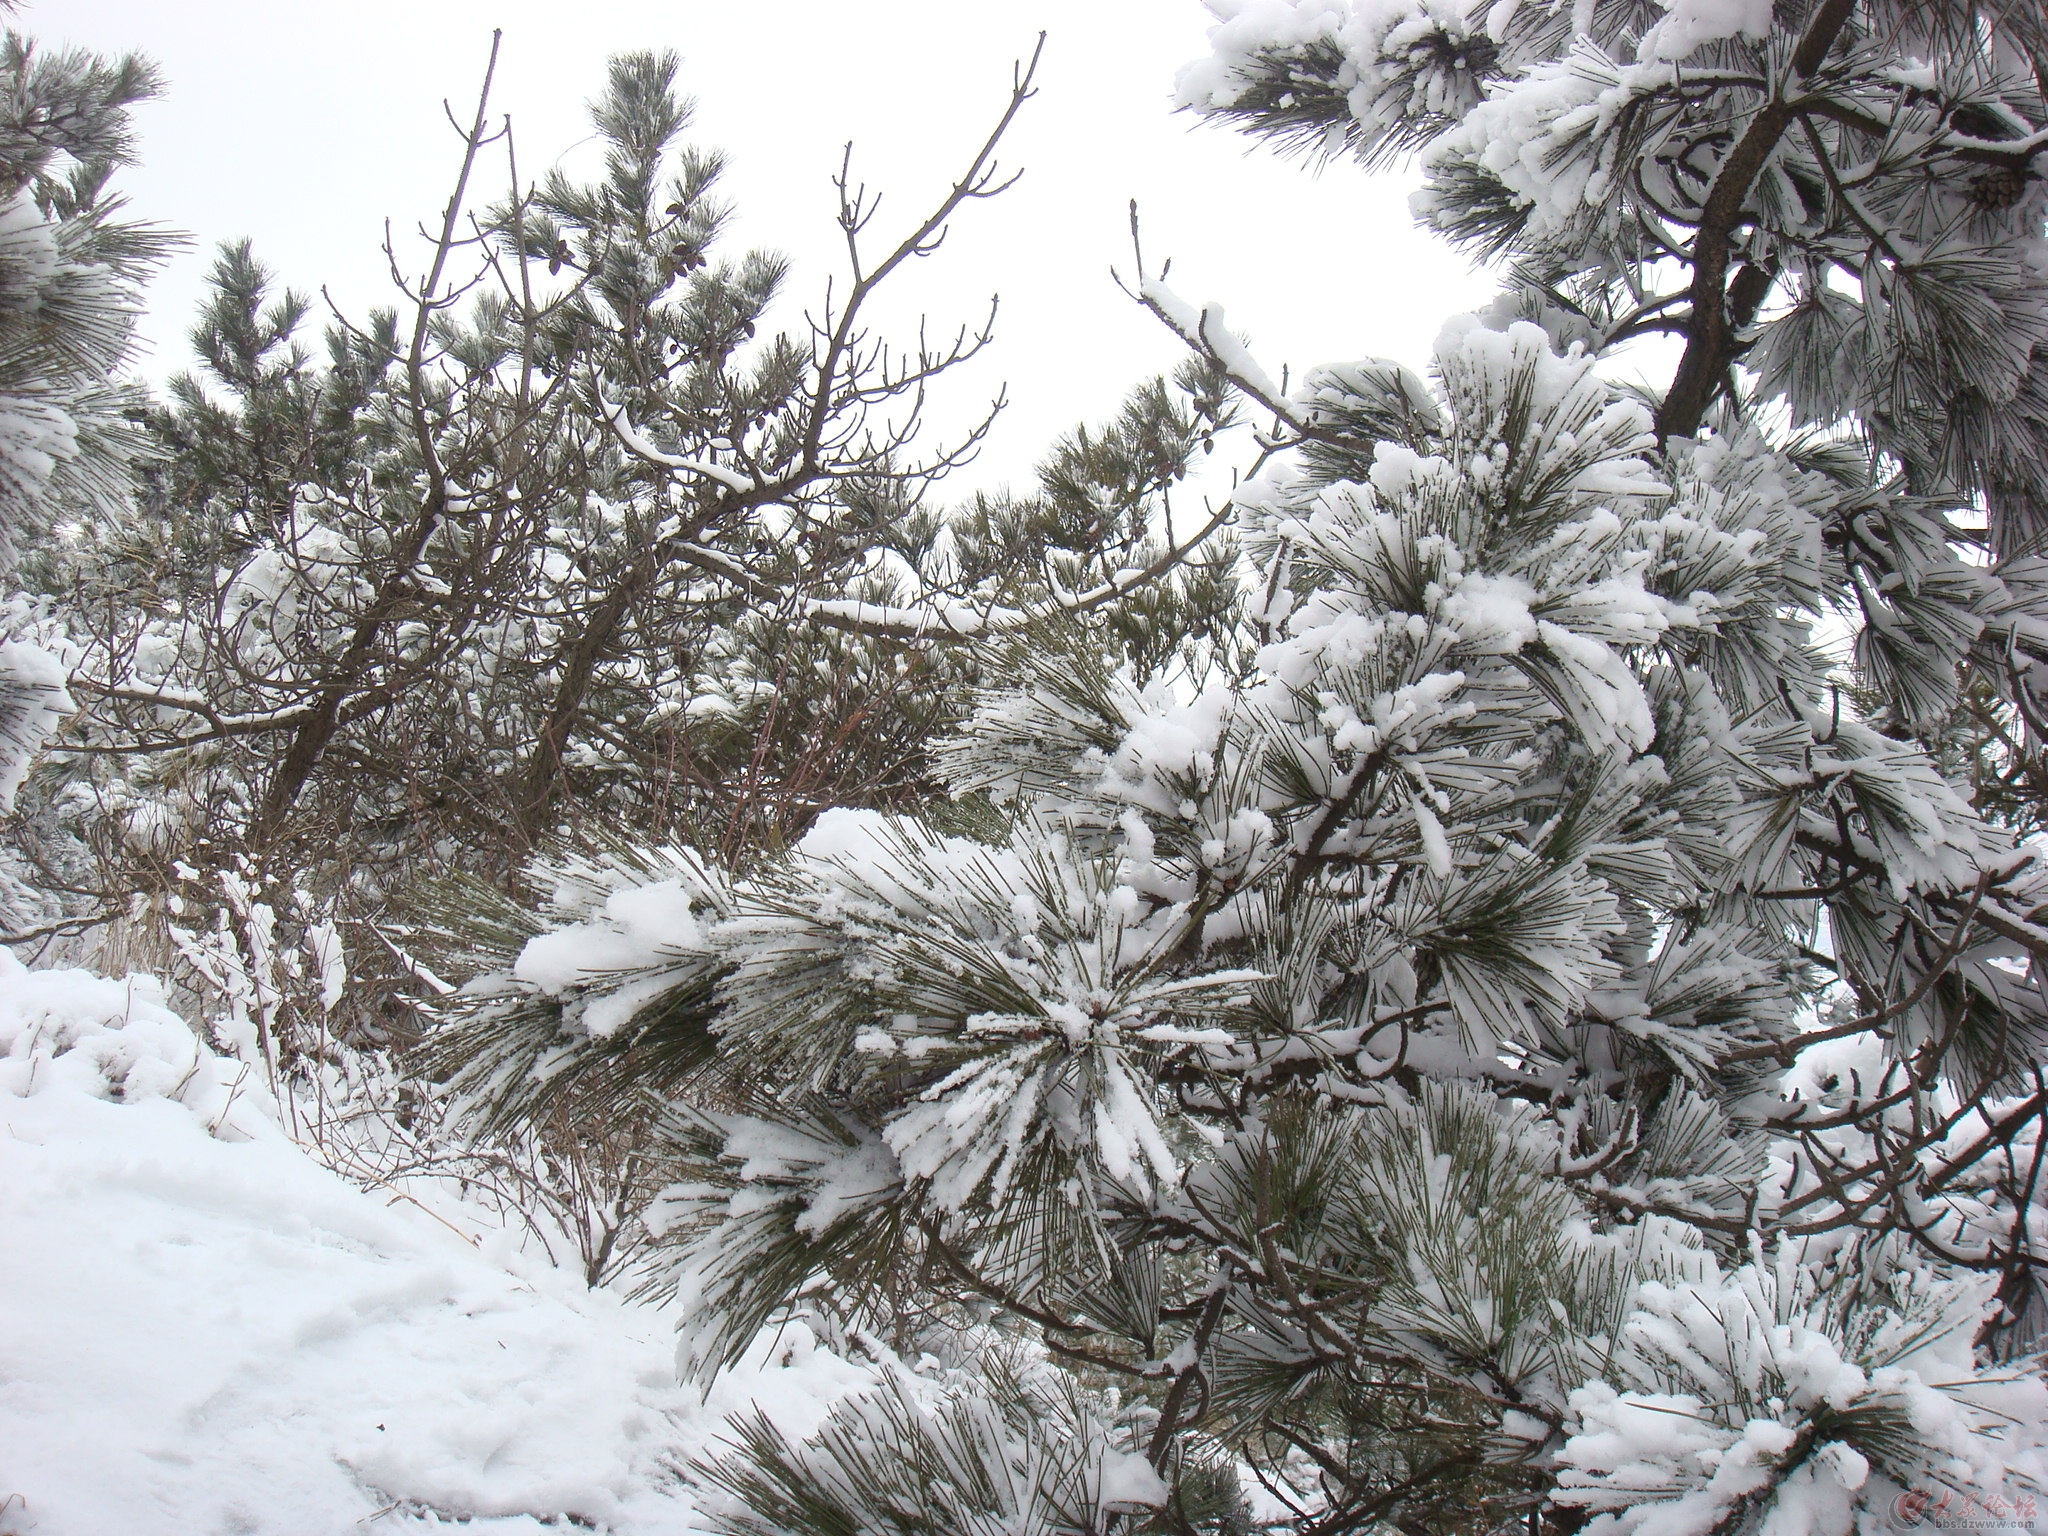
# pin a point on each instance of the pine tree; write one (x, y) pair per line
(574, 543)
(70, 274)
(1517, 1024)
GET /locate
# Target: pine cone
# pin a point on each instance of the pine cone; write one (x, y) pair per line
(1998, 189)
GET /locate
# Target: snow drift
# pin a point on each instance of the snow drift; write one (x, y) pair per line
(204, 1330)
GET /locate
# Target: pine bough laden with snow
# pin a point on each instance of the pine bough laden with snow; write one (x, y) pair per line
(70, 271)
(1516, 1031)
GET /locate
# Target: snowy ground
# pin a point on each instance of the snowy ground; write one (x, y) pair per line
(203, 1330)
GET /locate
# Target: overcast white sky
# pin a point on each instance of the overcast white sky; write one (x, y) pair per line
(307, 123)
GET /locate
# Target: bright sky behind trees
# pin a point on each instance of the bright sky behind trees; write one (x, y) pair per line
(306, 126)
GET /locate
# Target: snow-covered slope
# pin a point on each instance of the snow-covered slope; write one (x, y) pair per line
(203, 1330)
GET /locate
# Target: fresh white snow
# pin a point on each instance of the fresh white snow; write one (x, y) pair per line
(204, 1330)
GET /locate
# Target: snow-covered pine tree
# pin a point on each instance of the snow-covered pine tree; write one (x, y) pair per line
(70, 274)
(1538, 1022)
(576, 535)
